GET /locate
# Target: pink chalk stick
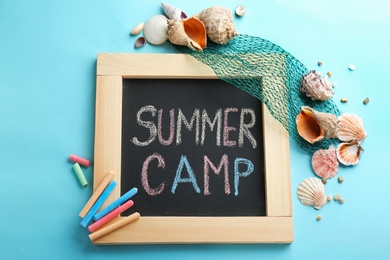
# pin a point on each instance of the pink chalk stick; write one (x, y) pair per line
(80, 160)
(95, 226)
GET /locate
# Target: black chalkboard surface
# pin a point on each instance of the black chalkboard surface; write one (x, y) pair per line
(192, 148)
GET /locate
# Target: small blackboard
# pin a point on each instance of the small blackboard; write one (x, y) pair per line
(192, 148)
(210, 162)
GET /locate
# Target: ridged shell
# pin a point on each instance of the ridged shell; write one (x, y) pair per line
(189, 32)
(173, 12)
(315, 87)
(349, 153)
(324, 162)
(155, 29)
(311, 192)
(219, 24)
(351, 128)
(314, 126)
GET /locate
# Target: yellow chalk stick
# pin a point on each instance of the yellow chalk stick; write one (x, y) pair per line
(108, 229)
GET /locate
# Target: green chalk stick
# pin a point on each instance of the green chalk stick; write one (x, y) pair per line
(80, 174)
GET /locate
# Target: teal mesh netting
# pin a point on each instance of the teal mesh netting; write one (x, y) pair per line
(268, 72)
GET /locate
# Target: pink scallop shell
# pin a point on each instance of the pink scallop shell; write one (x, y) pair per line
(324, 163)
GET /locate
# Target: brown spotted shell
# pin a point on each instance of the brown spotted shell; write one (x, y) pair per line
(350, 128)
(324, 162)
(219, 24)
(311, 192)
(314, 126)
(315, 87)
(349, 153)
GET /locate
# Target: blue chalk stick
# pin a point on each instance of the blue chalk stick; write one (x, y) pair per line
(115, 204)
(98, 204)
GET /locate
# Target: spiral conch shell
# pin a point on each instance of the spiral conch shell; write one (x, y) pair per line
(314, 126)
(315, 87)
(189, 32)
(311, 192)
(155, 29)
(351, 128)
(324, 162)
(219, 24)
(173, 12)
(349, 153)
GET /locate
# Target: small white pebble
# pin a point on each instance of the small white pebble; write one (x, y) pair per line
(329, 198)
(336, 197)
(341, 200)
(240, 10)
(319, 63)
(351, 67)
(340, 179)
(334, 84)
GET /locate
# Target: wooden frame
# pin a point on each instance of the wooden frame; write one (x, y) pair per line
(275, 227)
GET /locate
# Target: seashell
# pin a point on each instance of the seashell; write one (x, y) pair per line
(140, 42)
(137, 29)
(311, 192)
(172, 12)
(219, 24)
(349, 153)
(155, 29)
(315, 87)
(189, 32)
(240, 10)
(314, 126)
(324, 162)
(183, 15)
(350, 128)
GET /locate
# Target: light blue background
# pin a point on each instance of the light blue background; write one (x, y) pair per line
(48, 53)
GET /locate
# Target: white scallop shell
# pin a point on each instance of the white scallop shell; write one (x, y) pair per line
(311, 192)
(350, 128)
(155, 29)
(137, 29)
(324, 162)
(349, 153)
(172, 12)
